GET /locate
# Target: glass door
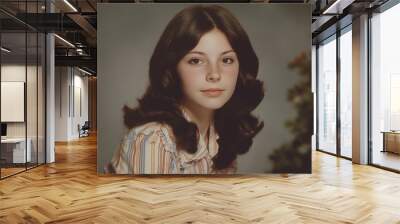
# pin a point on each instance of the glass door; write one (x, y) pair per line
(13, 103)
(22, 77)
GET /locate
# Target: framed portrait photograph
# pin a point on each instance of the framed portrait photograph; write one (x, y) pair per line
(204, 88)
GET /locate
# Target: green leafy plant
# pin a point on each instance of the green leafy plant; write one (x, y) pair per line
(295, 156)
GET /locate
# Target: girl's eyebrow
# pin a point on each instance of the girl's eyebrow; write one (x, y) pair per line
(229, 51)
(202, 53)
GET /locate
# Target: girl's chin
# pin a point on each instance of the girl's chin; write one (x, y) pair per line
(208, 104)
(212, 106)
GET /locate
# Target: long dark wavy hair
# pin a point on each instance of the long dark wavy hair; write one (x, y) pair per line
(234, 123)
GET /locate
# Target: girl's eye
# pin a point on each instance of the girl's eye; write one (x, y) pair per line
(228, 60)
(195, 61)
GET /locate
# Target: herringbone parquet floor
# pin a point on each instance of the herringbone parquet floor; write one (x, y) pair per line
(70, 191)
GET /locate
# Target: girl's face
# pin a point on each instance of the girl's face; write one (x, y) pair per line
(209, 72)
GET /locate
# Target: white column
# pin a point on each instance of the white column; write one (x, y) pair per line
(314, 93)
(50, 91)
(360, 90)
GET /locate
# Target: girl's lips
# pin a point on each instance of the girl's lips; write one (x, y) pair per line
(212, 92)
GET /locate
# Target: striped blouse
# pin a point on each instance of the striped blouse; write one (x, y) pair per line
(151, 149)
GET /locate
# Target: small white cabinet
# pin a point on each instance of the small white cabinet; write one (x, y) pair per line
(16, 148)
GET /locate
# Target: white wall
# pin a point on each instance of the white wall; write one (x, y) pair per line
(79, 111)
(70, 84)
(61, 103)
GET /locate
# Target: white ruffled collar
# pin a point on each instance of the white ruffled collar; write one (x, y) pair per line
(202, 150)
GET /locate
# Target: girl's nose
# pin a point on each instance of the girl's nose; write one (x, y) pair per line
(213, 73)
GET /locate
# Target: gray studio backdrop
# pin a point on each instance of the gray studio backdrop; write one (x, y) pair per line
(128, 33)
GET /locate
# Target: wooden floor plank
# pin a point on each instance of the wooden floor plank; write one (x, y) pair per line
(70, 191)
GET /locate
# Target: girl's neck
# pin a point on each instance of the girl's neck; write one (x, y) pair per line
(201, 116)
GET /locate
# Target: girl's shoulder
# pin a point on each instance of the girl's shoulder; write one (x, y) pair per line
(145, 149)
(151, 132)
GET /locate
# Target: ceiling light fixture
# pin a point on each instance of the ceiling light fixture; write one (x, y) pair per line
(337, 7)
(5, 50)
(70, 5)
(79, 51)
(65, 41)
(86, 72)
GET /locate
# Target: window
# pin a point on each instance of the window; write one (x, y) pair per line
(385, 88)
(346, 92)
(327, 95)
